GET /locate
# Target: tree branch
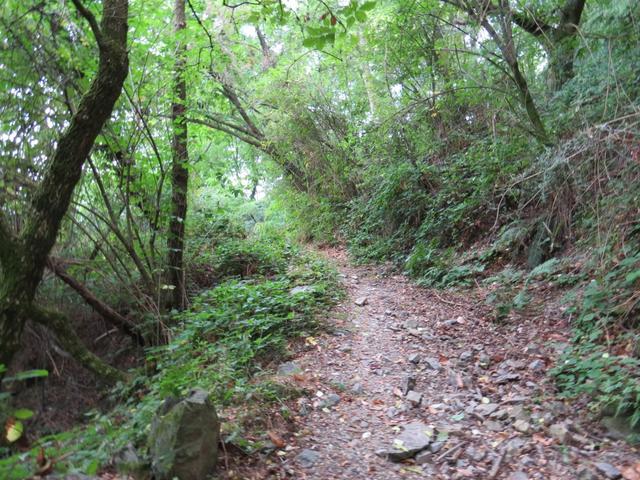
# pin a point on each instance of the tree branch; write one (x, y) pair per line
(93, 23)
(72, 344)
(105, 311)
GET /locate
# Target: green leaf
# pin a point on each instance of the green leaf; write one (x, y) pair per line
(310, 42)
(632, 277)
(14, 431)
(27, 374)
(361, 16)
(457, 417)
(23, 414)
(366, 6)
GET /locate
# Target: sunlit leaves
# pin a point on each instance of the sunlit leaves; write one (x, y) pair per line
(336, 24)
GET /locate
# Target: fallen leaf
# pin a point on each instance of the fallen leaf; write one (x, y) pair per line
(542, 440)
(631, 472)
(276, 439)
(465, 472)
(299, 378)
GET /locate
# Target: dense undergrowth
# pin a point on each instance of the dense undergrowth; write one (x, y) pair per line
(228, 343)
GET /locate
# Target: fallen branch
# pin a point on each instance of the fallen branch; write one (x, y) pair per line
(109, 314)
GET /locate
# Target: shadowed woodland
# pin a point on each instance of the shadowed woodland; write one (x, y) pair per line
(196, 195)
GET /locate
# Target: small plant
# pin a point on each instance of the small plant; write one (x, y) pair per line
(12, 418)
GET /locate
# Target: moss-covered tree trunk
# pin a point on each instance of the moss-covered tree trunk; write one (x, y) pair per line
(179, 172)
(24, 256)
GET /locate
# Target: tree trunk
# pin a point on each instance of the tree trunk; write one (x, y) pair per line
(559, 41)
(179, 172)
(505, 43)
(24, 258)
(563, 45)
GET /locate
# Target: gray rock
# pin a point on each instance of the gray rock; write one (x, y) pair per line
(522, 426)
(557, 408)
(414, 332)
(433, 363)
(307, 458)
(501, 414)
(301, 289)
(361, 301)
(506, 378)
(392, 412)
(183, 441)
(518, 412)
(560, 432)
(518, 476)
(415, 398)
(411, 323)
(289, 368)
(304, 410)
(414, 438)
(537, 366)
(408, 383)
(486, 409)
(331, 400)
(453, 322)
(493, 426)
(532, 349)
(484, 360)
(514, 445)
(475, 454)
(357, 389)
(466, 356)
(424, 457)
(435, 447)
(128, 461)
(414, 358)
(608, 470)
(527, 461)
(587, 474)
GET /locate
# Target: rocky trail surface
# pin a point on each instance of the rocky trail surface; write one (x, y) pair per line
(415, 383)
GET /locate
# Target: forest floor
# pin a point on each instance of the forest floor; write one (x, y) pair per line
(479, 404)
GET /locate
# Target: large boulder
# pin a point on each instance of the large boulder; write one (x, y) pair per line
(183, 442)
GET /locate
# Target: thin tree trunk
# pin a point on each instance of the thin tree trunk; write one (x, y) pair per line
(179, 172)
(507, 48)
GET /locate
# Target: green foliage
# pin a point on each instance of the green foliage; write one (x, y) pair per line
(607, 371)
(11, 418)
(226, 343)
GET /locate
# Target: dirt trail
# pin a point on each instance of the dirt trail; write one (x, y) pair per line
(484, 393)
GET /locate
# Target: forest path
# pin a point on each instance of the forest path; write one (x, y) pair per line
(483, 388)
